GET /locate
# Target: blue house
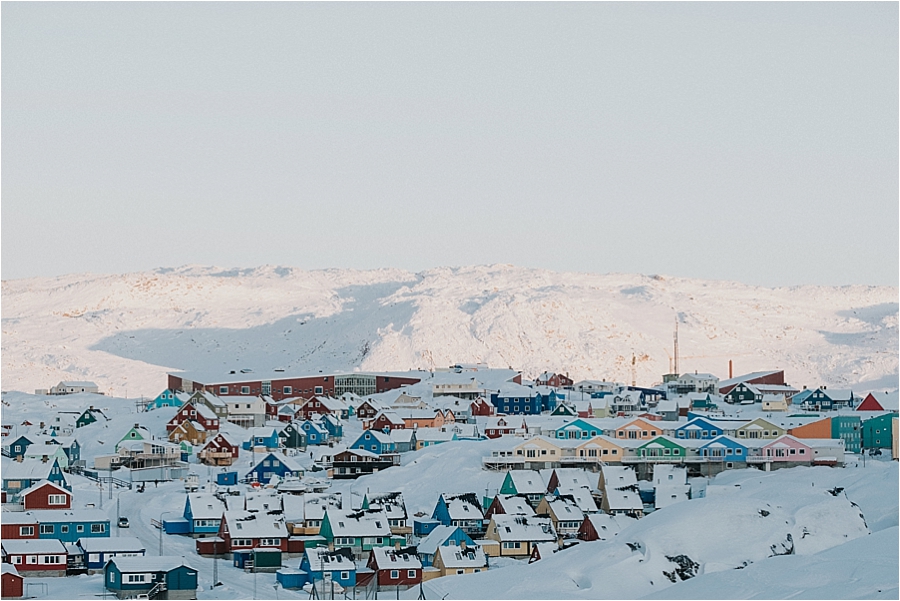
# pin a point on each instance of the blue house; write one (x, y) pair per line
(724, 448)
(374, 442)
(69, 444)
(132, 576)
(16, 448)
(442, 536)
(21, 475)
(274, 464)
(97, 551)
(203, 513)
(578, 429)
(698, 428)
(339, 564)
(552, 400)
(69, 525)
(463, 510)
(168, 398)
(518, 400)
(263, 436)
(316, 434)
(332, 425)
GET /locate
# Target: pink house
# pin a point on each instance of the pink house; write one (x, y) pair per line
(787, 448)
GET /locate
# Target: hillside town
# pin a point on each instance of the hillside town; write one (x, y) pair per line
(261, 472)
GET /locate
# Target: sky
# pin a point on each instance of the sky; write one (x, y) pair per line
(755, 142)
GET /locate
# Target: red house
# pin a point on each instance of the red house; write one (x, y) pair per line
(199, 413)
(221, 450)
(398, 568)
(322, 405)
(495, 428)
(44, 557)
(481, 407)
(553, 380)
(386, 420)
(254, 530)
(46, 495)
(12, 583)
(876, 401)
(368, 409)
(18, 525)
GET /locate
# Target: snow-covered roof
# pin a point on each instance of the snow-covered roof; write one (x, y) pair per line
(664, 473)
(668, 494)
(434, 435)
(68, 515)
(41, 484)
(528, 482)
(624, 500)
(116, 544)
(463, 506)
(246, 524)
(323, 560)
(889, 401)
(388, 558)
(28, 546)
(148, 564)
(373, 522)
(435, 539)
(523, 528)
(514, 504)
(582, 498)
(8, 568)
(454, 557)
(606, 525)
(744, 378)
(205, 506)
(315, 504)
(565, 508)
(391, 502)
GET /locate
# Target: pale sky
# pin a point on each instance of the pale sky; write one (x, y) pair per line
(753, 142)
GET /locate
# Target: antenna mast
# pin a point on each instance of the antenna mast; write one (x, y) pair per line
(633, 372)
(676, 372)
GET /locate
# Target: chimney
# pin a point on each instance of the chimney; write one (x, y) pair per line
(91, 408)
(137, 425)
(730, 369)
(44, 459)
(42, 425)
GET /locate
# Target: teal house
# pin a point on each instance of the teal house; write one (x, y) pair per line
(876, 432)
(156, 577)
(848, 428)
(168, 398)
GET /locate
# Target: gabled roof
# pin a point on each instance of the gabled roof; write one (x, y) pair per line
(624, 500)
(606, 525)
(129, 565)
(42, 484)
(527, 482)
(514, 504)
(30, 546)
(523, 528)
(29, 469)
(247, 524)
(453, 557)
(388, 558)
(463, 506)
(565, 509)
(286, 461)
(122, 544)
(323, 560)
(391, 502)
(615, 476)
(436, 538)
(581, 497)
(361, 523)
(205, 506)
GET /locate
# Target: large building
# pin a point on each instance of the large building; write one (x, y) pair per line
(280, 384)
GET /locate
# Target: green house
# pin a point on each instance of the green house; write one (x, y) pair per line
(876, 432)
(88, 417)
(661, 447)
(360, 531)
(166, 577)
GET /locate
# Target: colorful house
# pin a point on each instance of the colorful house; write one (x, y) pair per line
(564, 513)
(12, 586)
(46, 495)
(333, 425)
(129, 577)
(263, 436)
(528, 483)
(359, 531)
(274, 464)
(442, 536)
(638, 429)
(168, 398)
(786, 449)
(395, 568)
(315, 433)
(759, 428)
(394, 508)
(517, 534)
(199, 413)
(699, 428)
(724, 448)
(877, 401)
(428, 437)
(579, 429)
(661, 448)
(508, 504)
(22, 475)
(97, 551)
(244, 530)
(17, 447)
(203, 513)
(876, 432)
(516, 399)
(462, 510)
(353, 463)
(600, 448)
(338, 565)
(374, 441)
(37, 558)
(70, 525)
(221, 450)
(458, 560)
(47, 453)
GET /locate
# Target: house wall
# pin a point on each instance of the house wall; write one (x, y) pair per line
(819, 429)
(40, 499)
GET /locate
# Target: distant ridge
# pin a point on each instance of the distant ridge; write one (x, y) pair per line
(125, 331)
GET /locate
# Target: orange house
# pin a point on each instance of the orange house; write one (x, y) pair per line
(638, 429)
(816, 429)
(425, 418)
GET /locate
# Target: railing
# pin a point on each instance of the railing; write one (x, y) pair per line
(96, 477)
(158, 588)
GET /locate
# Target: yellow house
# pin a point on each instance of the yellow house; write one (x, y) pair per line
(517, 534)
(190, 431)
(759, 428)
(539, 448)
(455, 560)
(600, 448)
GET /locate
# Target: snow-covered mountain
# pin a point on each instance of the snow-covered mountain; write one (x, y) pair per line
(126, 331)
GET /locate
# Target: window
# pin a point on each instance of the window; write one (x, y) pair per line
(319, 390)
(411, 573)
(270, 542)
(345, 575)
(17, 559)
(31, 559)
(97, 528)
(56, 499)
(395, 574)
(223, 390)
(112, 576)
(79, 528)
(26, 531)
(245, 390)
(45, 559)
(288, 390)
(47, 529)
(136, 578)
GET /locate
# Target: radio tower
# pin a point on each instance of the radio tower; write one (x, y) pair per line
(676, 372)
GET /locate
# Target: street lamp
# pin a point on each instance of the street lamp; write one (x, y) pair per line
(161, 531)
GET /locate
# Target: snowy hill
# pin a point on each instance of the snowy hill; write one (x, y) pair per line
(125, 331)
